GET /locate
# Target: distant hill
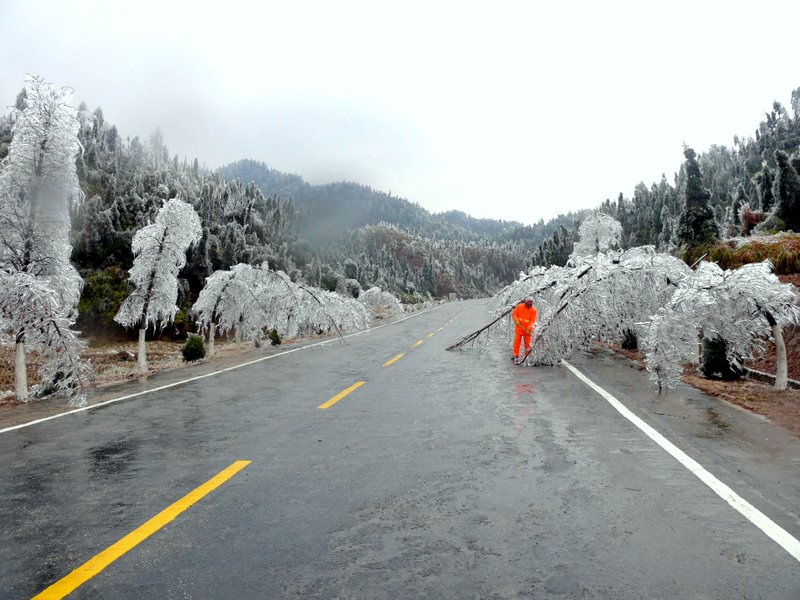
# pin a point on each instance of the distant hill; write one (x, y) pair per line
(335, 208)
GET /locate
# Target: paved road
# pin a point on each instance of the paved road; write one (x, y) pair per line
(443, 475)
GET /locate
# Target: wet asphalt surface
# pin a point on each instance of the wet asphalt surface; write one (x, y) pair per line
(446, 475)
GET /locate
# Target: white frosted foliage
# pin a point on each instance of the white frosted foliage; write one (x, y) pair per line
(40, 288)
(598, 233)
(658, 297)
(32, 306)
(734, 305)
(160, 254)
(253, 300)
(380, 303)
(599, 299)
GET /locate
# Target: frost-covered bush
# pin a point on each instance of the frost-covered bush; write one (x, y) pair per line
(348, 287)
(381, 304)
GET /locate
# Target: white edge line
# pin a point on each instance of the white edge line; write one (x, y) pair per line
(198, 377)
(782, 537)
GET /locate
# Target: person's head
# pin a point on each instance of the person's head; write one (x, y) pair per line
(528, 302)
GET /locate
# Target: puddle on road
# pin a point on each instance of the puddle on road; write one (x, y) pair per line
(113, 457)
(716, 426)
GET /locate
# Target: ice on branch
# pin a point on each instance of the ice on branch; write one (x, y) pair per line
(38, 186)
(253, 300)
(600, 299)
(598, 233)
(160, 253)
(381, 304)
(30, 305)
(744, 307)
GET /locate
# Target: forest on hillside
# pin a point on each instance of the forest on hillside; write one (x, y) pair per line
(746, 183)
(328, 235)
(319, 235)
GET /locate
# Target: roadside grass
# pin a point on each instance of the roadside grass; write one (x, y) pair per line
(782, 250)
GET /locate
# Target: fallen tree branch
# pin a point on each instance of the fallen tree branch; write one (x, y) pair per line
(474, 335)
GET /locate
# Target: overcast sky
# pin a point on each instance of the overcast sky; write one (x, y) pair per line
(506, 110)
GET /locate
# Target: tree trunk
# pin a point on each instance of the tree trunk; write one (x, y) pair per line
(239, 337)
(781, 366)
(142, 353)
(21, 374)
(211, 329)
(698, 348)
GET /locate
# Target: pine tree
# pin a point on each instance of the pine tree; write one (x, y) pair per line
(696, 226)
(787, 191)
(765, 179)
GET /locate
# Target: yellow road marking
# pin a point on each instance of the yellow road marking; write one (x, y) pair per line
(431, 334)
(395, 359)
(93, 566)
(341, 395)
(417, 343)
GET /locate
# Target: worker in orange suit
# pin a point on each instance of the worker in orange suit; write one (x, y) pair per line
(524, 316)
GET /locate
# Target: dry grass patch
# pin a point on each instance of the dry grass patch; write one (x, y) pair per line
(779, 406)
(114, 362)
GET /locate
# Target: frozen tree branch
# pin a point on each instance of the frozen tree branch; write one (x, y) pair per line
(160, 254)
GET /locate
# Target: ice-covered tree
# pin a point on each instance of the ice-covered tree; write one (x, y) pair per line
(31, 305)
(228, 303)
(160, 254)
(658, 296)
(250, 300)
(604, 297)
(601, 296)
(380, 303)
(38, 185)
(744, 307)
(598, 233)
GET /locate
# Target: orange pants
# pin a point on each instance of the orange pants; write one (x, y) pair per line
(520, 334)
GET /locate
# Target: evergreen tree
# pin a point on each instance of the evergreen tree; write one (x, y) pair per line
(765, 179)
(787, 192)
(696, 226)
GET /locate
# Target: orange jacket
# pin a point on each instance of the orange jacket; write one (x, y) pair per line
(523, 316)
